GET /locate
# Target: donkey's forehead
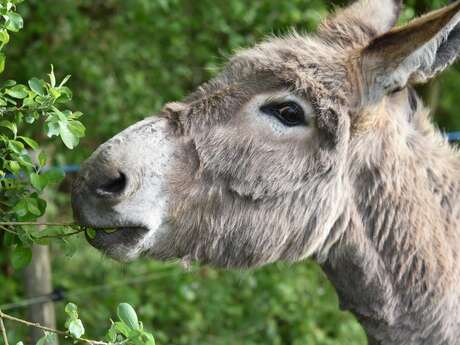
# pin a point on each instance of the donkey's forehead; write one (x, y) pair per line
(295, 61)
(293, 48)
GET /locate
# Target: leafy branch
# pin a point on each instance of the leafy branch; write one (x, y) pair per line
(23, 173)
(38, 224)
(126, 330)
(42, 235)
(47, 329)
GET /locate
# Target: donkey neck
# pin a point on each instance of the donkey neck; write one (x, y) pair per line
(398, 267)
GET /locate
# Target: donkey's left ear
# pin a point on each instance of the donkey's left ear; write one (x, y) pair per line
(362, 21)
(411, 54)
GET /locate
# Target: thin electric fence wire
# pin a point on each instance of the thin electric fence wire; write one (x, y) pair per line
(61, 294)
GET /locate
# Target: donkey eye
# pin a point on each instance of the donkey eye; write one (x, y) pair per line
(288, 113)
(397, 90)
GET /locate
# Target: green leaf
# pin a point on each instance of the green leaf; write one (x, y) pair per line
(52, 129)
(41, 341)
(50, 231)
(4, 37)
(14, 167)
(18, 117)
(21, 257)
(61, 116)
(36, 85)
(127, 314)
(69, 248)
(9, 239)
(68, 137)
(18, 91)
(48, 339)
(31, 117)
(65, 95)
(150, 340)
(29, 102)
(7, 83)
(16, 146)
(38, 182)
(51, 338)
(41, 100)
(71, 310)
(112, 333)
(76, 328)
(65, 80)
(75, 115)
(42, 158)
(77, 128)
(10, 125)
(91, 233)
(2, 62)
(52, 77)
(25, 161)
(54, 92)
(20, 209)
(41, 204)
(14, 22)
(33, 207)
(30, 142)
(25, 237)
(122, 328)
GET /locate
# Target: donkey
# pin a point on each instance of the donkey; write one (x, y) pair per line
(304, 146)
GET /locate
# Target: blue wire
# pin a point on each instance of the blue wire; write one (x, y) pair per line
(453, 136)
(66, 169)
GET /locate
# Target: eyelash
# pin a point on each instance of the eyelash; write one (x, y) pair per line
(289, 113)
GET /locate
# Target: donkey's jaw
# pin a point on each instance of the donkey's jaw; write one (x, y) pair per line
(137, 203)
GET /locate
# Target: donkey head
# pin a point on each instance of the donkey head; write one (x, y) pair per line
(257, 165)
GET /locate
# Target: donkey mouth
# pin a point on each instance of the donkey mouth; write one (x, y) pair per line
(108, 239)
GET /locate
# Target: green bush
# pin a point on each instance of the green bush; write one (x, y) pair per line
(23, 175)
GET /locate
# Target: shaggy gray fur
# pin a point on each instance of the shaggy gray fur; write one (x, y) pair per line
(370, 190)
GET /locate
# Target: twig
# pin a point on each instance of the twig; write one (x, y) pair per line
(3, 226)
(36, 223)
(8, 230)
(2, 328)
(6, 110)
(58, 236)
(56, 331)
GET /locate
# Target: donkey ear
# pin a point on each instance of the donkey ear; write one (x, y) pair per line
(362, 20)
(413, 53)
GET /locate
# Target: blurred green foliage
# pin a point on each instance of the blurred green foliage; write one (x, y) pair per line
(281, 304)
(127, 58)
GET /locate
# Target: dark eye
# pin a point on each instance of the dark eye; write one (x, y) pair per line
(397, 90)
(289, 113)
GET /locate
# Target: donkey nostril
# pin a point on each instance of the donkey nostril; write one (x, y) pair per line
(113, 187)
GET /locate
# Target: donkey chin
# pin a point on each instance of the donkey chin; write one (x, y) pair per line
(121, 191)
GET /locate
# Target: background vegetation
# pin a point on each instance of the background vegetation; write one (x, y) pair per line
(127, 58)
